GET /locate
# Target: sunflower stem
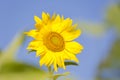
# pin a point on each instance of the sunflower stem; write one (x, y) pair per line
(51, 73)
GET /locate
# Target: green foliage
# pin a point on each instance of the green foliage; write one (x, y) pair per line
(17, 70)
(16, 67)
(113, 16)
(93, 29)
(9, 53)
(111, 64)
(10, 69)
(109, 69)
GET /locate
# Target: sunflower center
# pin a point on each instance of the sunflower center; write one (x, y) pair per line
(54, 42)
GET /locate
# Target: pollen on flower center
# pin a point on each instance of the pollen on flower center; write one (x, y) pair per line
(54, 42)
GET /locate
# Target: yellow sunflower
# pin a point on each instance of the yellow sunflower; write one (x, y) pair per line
(53, 40)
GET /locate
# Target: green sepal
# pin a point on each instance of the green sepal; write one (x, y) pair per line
(31, 51)
(56, 76)
(68, 63)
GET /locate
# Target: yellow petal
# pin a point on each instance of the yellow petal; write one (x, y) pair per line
(71, 56)
(34, 45)
(62, 18)
(55, 27)
(55, 65)
(58, 60)
(45, 16)
(32, 33)
(73, 47)
(69, 36)
(72, 28)
(59, 25)
(45, 30)
(43, 59)
(57, 19)
(51, 61)
(67, 22)
(49, 58)
(37, 19)
(64, 25)
(62, 62)
(48, 61)
(38, 26)
(40, 50)
(35, 34)
(53, 17)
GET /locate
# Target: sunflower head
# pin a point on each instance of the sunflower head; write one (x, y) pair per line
(53, 40)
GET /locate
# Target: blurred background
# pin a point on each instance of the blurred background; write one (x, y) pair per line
(99, 21)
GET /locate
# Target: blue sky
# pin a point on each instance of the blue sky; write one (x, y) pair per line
(17, 15)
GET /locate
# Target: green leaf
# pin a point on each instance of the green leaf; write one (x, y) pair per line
(16, 70)
(68, 63)
(16, 67)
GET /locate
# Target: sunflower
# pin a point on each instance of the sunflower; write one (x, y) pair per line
(53, 40)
